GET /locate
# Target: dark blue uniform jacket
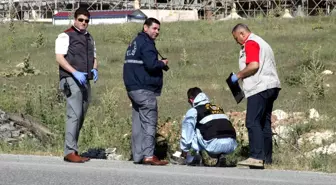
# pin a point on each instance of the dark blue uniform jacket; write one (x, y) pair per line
(142, 69)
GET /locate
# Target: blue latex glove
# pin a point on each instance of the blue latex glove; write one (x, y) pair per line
(80, 76)
(95, 75)
(234, 78)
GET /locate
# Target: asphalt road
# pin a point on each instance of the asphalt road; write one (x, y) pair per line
(39, 170)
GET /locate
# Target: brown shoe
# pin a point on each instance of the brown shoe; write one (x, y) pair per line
(85, 159)
(251, 162)
(74, 158)
(153, 161)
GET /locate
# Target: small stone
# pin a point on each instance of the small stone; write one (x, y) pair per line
(111, 156)
(5, 135)
(313, 114)
(118, 157)
(327, 72)
(274, 119)
(37, 72)
(16, 133)
(11, 140)
(283, 131)
(298, 114)
(6, 127)
(3, 116)
(330, 149)
(12, 123)
(316, 137)
(280, 114)
(177, 154)
(110, 150)
(20, 65)
(114, 157)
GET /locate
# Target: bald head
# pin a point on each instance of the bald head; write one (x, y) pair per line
(240, 33)
(240, 27)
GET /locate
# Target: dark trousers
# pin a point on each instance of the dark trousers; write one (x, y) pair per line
(258, 124)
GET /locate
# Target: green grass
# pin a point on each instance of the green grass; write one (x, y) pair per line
(200, 54)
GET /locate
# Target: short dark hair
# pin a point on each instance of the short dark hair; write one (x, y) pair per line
(82, 11)
(150, 21)
(193, 92)
(240, 26)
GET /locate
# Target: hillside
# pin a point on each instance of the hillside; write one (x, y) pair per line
(200, 54)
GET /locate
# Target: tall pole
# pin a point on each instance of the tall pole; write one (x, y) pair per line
(56, 9)
(10, 8)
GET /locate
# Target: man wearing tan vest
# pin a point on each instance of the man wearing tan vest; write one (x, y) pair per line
(261, 86)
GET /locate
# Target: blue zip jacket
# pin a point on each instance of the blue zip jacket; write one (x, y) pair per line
(142, 69)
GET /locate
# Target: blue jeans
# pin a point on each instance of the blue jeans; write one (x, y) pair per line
(214, 147)
(258, 124)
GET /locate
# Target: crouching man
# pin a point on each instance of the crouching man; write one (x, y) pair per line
(205, 128)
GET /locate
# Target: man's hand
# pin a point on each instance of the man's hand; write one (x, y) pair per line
(165, 61)
(184, 154)
(95, 74)
(80, 76)
(234, 78)
(249, 70)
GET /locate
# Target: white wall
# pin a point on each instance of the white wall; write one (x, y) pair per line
(172, 15)
(62, 22)
(136, 20)
(92, 21)
(108, 21)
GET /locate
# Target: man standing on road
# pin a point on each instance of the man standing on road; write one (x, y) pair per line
(261, 86)
(143, 79)
(76, 55)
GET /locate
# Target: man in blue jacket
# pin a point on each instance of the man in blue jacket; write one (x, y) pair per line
(143, 79)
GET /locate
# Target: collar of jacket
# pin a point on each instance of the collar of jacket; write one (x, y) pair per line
(146, 37)
(79, 31)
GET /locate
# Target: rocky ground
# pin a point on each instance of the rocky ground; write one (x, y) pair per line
(283, 123)
(10, 131)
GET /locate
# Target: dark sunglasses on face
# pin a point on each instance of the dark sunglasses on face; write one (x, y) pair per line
(81, 20)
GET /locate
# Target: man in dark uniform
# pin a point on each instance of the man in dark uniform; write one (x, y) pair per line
(76, 55)
(143, 79)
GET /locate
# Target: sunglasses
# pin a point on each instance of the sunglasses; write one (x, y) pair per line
(82, 20)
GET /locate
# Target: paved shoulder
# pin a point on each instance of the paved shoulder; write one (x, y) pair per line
(31, 170)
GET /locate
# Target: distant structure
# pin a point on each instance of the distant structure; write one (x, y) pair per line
(103, 17)
(44, 10)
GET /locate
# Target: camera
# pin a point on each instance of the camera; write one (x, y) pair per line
(166, 68)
